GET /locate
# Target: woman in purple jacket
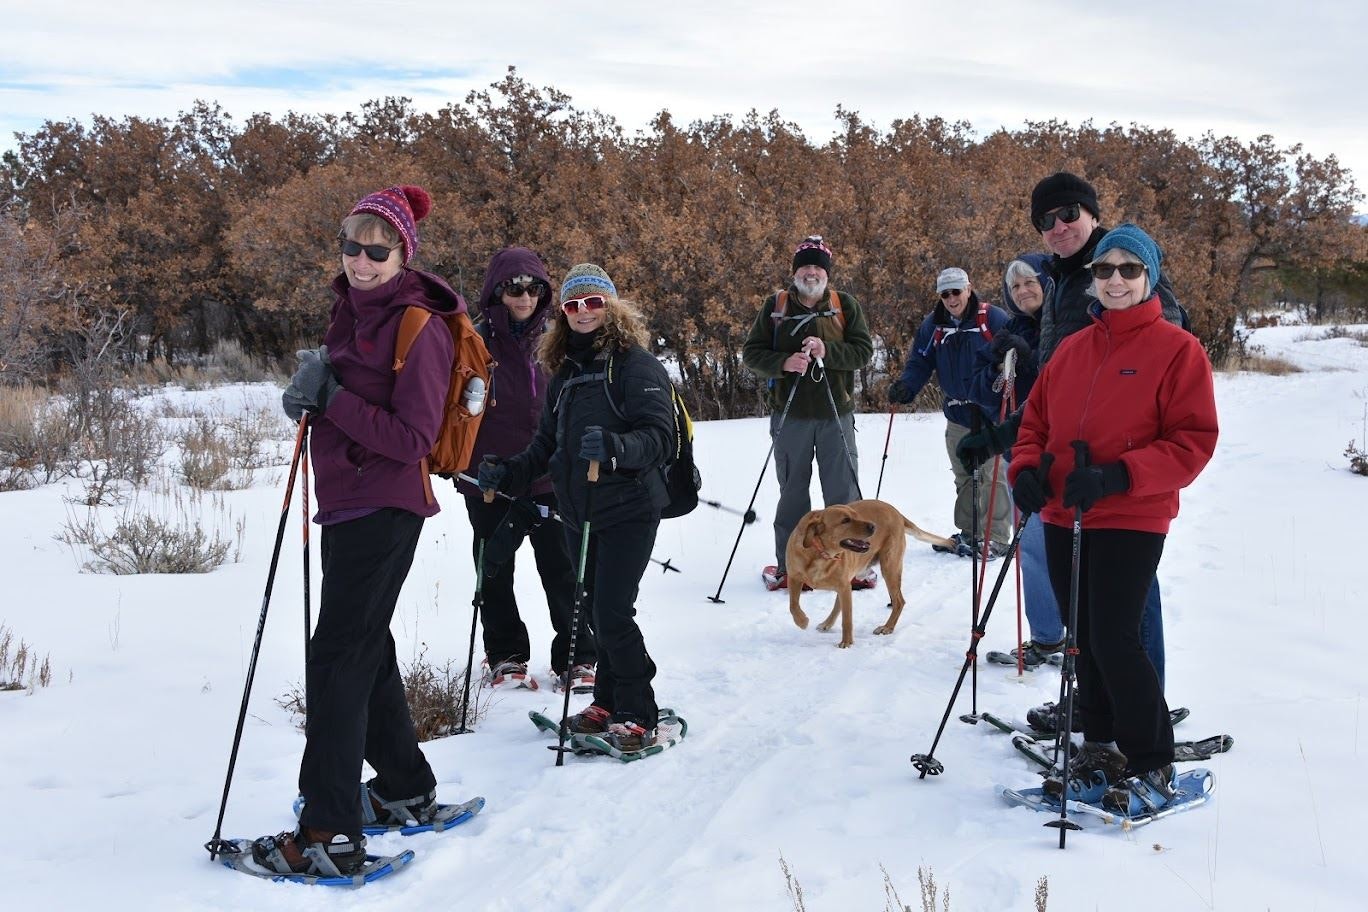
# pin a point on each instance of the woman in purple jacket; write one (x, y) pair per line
(371, 429)
(514, 304)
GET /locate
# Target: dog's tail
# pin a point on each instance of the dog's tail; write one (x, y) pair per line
(923, 536)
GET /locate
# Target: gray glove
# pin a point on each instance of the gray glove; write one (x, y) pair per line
(313, 385)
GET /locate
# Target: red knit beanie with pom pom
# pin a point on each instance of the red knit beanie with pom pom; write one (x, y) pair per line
(403, 207)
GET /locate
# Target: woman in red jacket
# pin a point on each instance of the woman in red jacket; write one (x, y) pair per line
(1138, 391)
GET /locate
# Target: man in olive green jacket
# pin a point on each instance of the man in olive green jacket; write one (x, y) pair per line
(797, 328)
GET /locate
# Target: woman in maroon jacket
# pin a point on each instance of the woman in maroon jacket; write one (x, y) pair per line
(514, 304)
(1138, 391)
(370, 430)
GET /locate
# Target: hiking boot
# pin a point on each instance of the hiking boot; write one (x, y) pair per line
(1091, 772)
(774, 578)
(509, 675)
(310, 851)
(419, 810)
(964, 545)
(1142, 794)
(581, 679)
(1048, 718)
(629, 736)
(996, 549)
(1034, 654)
(865, 579)
(594, 720)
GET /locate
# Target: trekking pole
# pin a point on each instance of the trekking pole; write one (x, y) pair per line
(304, 504)
(1068, 680)
(850, 457)
(716, 597)
(884, 464)
(477, 605)
(548, 513)
(926, 763)
(593, 476)
(749, 515)
(216, 845)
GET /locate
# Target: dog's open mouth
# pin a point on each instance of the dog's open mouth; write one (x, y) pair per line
(858, 545)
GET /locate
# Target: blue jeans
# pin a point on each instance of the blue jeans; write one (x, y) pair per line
(1042, 611)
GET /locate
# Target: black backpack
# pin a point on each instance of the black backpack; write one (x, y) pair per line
(681, 475)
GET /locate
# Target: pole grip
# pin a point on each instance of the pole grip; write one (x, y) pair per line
(489, 495)
(1080, 448)
(593, 470)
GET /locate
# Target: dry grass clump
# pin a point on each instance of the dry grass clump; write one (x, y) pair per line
(19, 664)
(37, 438)
(434, 694)
(169, 537)
(930, 891)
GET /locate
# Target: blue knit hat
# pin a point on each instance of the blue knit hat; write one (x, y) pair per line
(586, 278)
(1130, 238)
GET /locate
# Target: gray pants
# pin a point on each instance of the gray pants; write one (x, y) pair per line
(964, 492)
(794, 448)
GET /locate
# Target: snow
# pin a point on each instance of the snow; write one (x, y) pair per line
(112, 776)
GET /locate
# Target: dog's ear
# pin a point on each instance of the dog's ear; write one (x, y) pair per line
(814, 528)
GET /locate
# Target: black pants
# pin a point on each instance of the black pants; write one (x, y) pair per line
(505, 634)
(1119, 692)
(353, 690)
(618, 557)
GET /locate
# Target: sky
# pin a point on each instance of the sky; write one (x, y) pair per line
(1242, 68)
(112, 776)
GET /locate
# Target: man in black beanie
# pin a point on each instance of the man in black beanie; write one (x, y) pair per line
(808, 341)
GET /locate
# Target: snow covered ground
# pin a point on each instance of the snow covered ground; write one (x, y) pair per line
(111, 777)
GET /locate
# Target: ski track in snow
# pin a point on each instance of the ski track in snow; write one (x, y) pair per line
(794, 747)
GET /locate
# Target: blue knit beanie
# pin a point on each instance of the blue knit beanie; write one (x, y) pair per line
(1130, 238)
(586, 278)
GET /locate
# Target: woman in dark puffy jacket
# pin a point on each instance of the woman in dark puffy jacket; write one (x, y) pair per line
(514, 305)
(609, 402)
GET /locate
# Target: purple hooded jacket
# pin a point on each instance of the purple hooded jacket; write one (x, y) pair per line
(368, 448)
(519, 381)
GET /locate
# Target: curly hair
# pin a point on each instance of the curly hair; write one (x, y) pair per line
(623, 326)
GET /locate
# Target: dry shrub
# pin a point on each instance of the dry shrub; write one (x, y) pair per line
(204, 461)
(434, 694)
(1358, 459)
(37, 438)
(169, 539)
(1259, 364)
(22, 664)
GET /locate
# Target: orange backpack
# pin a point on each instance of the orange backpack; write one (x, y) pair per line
(456, 438)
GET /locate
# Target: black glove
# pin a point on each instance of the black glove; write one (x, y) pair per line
(1004, 342)
(898, 392)
(491, 472)
(523, 515)
(1031, 490)
(1087, 485)
(313, 385)
(977, 448)
(598, 445)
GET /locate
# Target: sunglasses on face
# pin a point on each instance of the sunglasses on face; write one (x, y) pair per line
(589, 302)
(375, 252)
(1103, 271)
(517, 291)
(949, 292)
(1067, 214)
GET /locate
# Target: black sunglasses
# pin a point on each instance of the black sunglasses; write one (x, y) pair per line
(376, 252)
(513, 290)
(1103, 271)
(1066, 214)
(951, 291)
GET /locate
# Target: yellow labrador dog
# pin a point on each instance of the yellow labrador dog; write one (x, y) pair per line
(830, 547)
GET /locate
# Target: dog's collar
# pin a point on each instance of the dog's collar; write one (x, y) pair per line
(821, 548)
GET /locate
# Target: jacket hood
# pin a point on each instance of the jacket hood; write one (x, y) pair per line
(1040, 262)
(507, 263)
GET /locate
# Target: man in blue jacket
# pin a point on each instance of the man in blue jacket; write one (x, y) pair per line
(949, 343)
